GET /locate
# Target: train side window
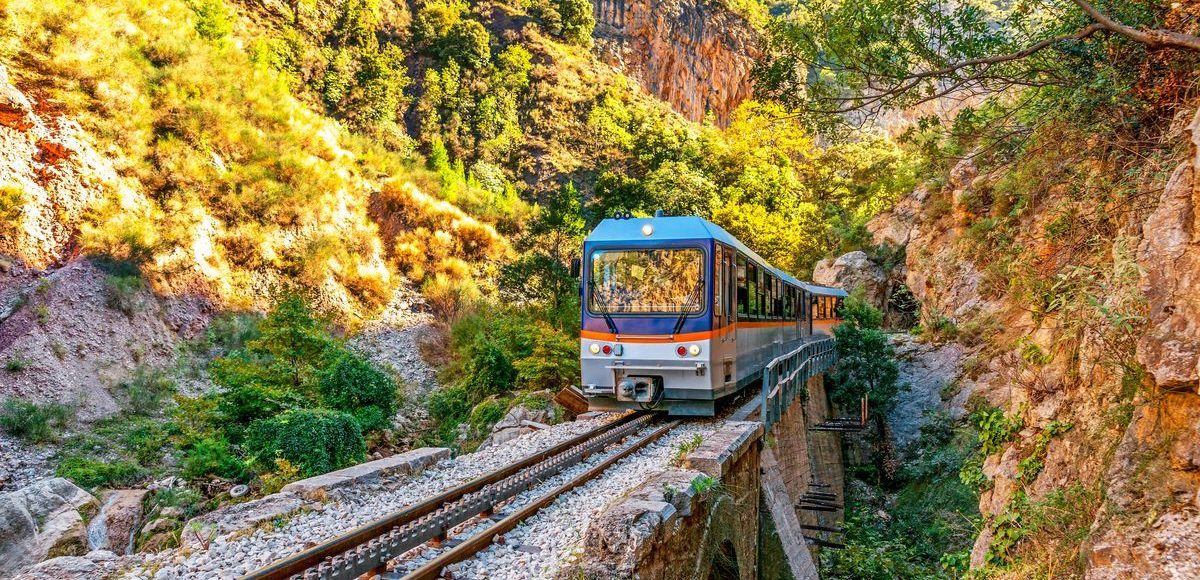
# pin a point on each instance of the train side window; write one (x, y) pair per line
(718, 284)
(731, 284)
(743, 280)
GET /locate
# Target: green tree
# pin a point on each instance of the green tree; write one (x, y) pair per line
(833, 56)
(467, 43)
(577, 21)
(867, 367)
(315, 440)
(354, 385)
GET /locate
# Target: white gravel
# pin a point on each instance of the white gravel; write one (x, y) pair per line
(347, 508)
(22, 464)
(552, 538)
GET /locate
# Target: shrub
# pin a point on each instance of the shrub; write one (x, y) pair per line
(33, 422)
(577, 21)
(94, 473)
(12, 202)
(354, 385)
(146, 390)
(211, 456)
(447, 296)
(121, 293)
(314, 440)
(212, 19)
(17, 364)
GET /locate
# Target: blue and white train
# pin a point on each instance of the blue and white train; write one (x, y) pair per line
(677, 313)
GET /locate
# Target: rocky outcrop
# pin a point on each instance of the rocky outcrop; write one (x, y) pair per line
(1169, 256)
(694, 54)
(120, 515)
(519, 420)
(49, 169)
(45, 519)
(94, 564)
(201, 531)
(76, 348)
(854, 271)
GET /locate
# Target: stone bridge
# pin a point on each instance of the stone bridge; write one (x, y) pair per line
(750, 502)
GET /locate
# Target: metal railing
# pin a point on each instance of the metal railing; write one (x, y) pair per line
(786, 377)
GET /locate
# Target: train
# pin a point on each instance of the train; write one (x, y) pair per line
(677, 314)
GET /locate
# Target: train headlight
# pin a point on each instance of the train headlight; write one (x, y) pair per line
(647, 230)
(694, 350)
(594, 348)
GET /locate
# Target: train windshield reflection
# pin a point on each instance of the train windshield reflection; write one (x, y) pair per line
(662, 280)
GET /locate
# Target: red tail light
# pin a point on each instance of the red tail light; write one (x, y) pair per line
(606, 349)
(681, 351)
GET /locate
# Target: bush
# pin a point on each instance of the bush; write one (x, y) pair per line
(33, 422)
(212, 19)
(354, 385)
(314, 440)
(146, 390)
(211, 456)
(577, 21)
(93, 473)
(121, 293)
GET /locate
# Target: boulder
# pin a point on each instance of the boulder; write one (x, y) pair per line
(42, 520)
(204, 529)
(94, 564)
(854, 271)
(120, 515)
(516, 422)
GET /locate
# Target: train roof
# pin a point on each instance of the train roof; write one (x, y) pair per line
(678, 228)
(824, 290)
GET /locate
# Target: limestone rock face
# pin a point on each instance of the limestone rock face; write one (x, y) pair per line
(120, 515)
(42, 520)
(853, 271)
(695, 55)
(1170, 259)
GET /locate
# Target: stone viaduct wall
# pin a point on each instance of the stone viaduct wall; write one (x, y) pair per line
(728, 512)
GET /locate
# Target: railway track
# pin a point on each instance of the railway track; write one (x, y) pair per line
(368, 549)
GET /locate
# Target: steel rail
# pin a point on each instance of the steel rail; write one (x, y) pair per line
(477, 543)
(311, 558)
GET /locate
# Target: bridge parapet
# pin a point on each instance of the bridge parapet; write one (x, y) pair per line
(786, 378)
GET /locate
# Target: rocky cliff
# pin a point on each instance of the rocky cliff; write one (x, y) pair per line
(695, 55)
(1101, 342)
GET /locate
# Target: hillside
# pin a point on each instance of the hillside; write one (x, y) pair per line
(246, 242)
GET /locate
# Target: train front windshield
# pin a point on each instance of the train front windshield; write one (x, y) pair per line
(652, 281)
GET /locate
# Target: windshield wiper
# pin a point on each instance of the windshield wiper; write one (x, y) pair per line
(687, 306)
(608, 319)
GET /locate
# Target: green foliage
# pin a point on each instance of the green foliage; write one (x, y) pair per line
(684, 448)
(211, 456)
(930, 523)
(17, 363)
(1029, 467)
(145, 392)
(94, 474)
(12, 204)
(354, 385)
(703, 484)
(866, 362)
(468, 43)
(121, 292)
(212, 19)
(996, 429)
(577, 21)
(314, 440)
(34, 422)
